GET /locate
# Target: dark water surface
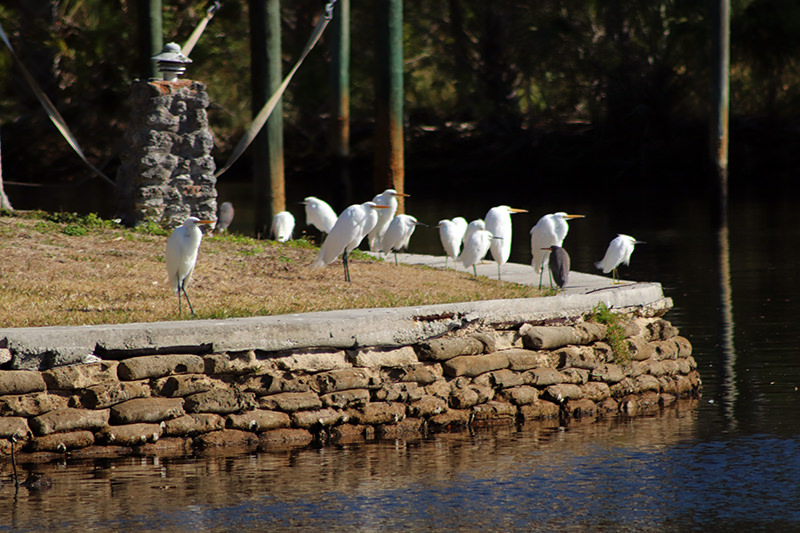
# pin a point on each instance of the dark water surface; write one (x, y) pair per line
(730, 461)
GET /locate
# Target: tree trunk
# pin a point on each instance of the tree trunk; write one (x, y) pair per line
(4, 203)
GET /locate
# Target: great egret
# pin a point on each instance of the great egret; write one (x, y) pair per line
(387, 198)
(350, 228)
(451, 233)
(319, 214)
(559, 265)
(498, 223)
(472, 227)
(619, 251)
(551, 229)
(282, 226)
(181, 255)
(225, 217)
(475, 249)
(398, 234)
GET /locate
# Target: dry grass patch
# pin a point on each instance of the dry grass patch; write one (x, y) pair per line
(87, 271)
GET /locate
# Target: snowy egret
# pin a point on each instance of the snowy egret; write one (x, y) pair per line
(398, 234)
(559, 265)
(475, 249)
(181, 255)
(225, 217)
(387, 198)
(282, 226)
(498, 223)
(472, 227)
(350, 228)
(549, 230)
(319, 214)
(619, 251)
(451, 233)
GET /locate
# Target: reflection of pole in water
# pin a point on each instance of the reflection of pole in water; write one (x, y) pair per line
(728, 385)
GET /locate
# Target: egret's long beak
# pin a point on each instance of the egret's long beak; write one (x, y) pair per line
(422, 224)
(517, 210)
(400, 194)
(639, 242)
(546, 249)
(497, 238)
(575, 216)
(381, 206)
(206, 221)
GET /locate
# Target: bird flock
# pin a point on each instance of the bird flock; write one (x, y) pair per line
(386, 231)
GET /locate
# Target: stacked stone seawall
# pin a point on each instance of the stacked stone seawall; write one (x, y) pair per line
(141, 400)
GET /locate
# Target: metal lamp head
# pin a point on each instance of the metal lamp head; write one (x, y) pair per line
(171, 62)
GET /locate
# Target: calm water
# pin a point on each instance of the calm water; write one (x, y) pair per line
(729, 461)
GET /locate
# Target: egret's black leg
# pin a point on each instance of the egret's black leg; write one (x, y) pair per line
(183, 286)
(474, 271)
(346, 266)
(498, 273)
(395, 259)
(541, 273)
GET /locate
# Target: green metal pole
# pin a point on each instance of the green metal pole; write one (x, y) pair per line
(267, 152)
(151, 39)
(389, 162)
(721, 66)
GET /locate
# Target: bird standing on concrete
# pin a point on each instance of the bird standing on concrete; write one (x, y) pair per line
(559, 265)
(619, 251)
(319, 214)
(498, 223)
(387, 198)
(346, 235)
(398, 234)
(472, 227)
(549, 230)
(451, 233)
(475, 249)
(282, 226)
(181, 255)
(225, 217)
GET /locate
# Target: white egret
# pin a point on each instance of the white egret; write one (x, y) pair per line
(387, 198)
(319, 214)
(475, 249)
(559, 265)
(472, 227)
(498, 223)
(451, 233)
(350, 228)
(549, 230)
(398, 234)
(225, 217)
(181, 255)
(282, 226)
(619, 251)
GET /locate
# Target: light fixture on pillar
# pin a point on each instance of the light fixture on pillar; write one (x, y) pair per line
(171, 62)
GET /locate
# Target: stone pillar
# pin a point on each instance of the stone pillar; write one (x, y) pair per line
(167, 172)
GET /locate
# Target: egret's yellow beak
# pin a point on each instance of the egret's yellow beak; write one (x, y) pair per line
(576, 216)
(400, 194)
(516, 210)
(381, 206)
(206, 221)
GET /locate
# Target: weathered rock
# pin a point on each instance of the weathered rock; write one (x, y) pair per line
(589, 332)
(80, 376)
(475, 365)
(283, 438)
(318, 418)
(543, 377)
(156, 366)
(667, 385)
(406, 428)
(439, 388)
(14, 426)
(580, 408)
(258, 420)
(576, 376)
(646, 382)
(639, 349)
(684, 346)
(345, 398)
(464, 398)
(32, 404)
(5, 355)
(520, 359)
(236, 363)
(562, 392)
(112, 393)
(427, 406)
(625, 387)
(445, 348)
(69, 419)
(641, 403)
(164, 447)
(577, 357)
(193, 424)
(450, 419)
(226, 438)
(660, 329)
(313, 361)
(539, 410)
(507, 339)
(348, 433)
(377, 357)
(290, 401)
(609, 373)
(21, 381)
(421, 373)
(270, 383)
(220, 402)
(521, 395)
(348, 378)
(502, 379)
(684, 367)
(488, 339)
(399, 392)
(146, 410)
(494, 411)
(130, 434)
(596, 391)
(609, 405)
(184, 385)
(61, 442)
(548, 337)
(664, 349)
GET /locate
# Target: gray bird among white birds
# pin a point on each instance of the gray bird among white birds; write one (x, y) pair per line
(550, 230)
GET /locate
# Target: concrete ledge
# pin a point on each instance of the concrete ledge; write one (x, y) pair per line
(45, 347)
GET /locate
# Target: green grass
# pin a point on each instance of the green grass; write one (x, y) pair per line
(615, 333)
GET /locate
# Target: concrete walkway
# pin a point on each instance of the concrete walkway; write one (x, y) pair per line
(44, 347)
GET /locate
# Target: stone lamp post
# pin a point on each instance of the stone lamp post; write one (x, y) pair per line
(167, 171)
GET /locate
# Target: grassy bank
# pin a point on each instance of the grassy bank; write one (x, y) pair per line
(64, 269)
